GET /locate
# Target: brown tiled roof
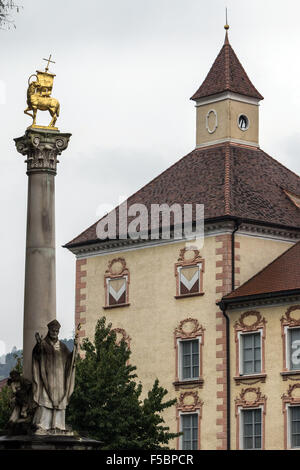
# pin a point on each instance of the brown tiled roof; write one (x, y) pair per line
(230, 180)
(283, 274)
(227, 74)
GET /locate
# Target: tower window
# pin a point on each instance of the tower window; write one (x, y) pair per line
(243, 122)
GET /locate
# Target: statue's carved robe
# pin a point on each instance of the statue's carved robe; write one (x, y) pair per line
(53, 382)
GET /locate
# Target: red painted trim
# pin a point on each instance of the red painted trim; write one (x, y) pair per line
(80, 298)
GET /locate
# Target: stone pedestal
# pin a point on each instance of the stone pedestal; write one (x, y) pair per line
(41, 147)
(48, 443)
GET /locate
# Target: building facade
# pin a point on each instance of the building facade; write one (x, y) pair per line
(264, 321)
(163, 296)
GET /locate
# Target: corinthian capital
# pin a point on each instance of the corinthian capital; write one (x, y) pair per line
(42, 147)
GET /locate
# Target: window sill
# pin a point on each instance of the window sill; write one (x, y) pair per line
(195, 383)
(184, 296)
(115, 306)
(248, 378)
(286, 374)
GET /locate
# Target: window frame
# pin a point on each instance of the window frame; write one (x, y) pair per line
(108, 280)
(179, 270)
(250, 321)
(287, 331)
(195, 413)
(289, 426)
(188, 402)
(112, 274)
(184, 262)
(241, 335)
(187, 330)
(289, 321)
(180, 341)
(242, 410)
(290, 399)
(250, 398)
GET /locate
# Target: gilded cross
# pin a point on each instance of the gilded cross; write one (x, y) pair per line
(48, 61)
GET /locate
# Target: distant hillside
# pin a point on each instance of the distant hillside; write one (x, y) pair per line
(8, 361)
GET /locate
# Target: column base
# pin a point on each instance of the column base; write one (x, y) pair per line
(48, 443)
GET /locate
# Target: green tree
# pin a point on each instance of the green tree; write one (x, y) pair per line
(5, 407)
(6, 396)
(106, 402)
(6, 6)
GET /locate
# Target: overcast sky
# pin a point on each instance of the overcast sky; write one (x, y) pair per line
(125, 72)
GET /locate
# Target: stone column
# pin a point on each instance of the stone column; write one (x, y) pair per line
(41, 146)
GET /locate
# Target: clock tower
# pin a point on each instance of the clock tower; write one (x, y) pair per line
(227, 103)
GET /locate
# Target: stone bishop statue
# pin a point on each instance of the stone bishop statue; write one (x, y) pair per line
(53, 377)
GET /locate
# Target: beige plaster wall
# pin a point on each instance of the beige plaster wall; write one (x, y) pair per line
(256, 253)
(228, 112)
(236, 108)
(152, 317)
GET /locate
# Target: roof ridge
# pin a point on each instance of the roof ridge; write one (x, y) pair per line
(227, 169)
(263, 269)
(227, 65)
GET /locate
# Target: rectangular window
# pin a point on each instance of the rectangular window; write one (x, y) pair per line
(251, 353)
(294, 414)
(189, 280)
(251, 429)
(189, 359)
(189, 427)
(116, 291)
(294, 348)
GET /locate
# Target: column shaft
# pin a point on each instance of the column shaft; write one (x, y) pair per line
(40, 285)
(41, 147)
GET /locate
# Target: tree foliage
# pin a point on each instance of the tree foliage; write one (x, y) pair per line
(6, 6)
(5, 406)
(106, 403)
(6, 399)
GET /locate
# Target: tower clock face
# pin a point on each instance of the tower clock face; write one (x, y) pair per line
(243, 122)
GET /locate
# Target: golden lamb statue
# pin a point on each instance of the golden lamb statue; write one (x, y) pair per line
(39, 96)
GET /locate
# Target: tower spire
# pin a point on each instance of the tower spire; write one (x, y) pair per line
(226, 27)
